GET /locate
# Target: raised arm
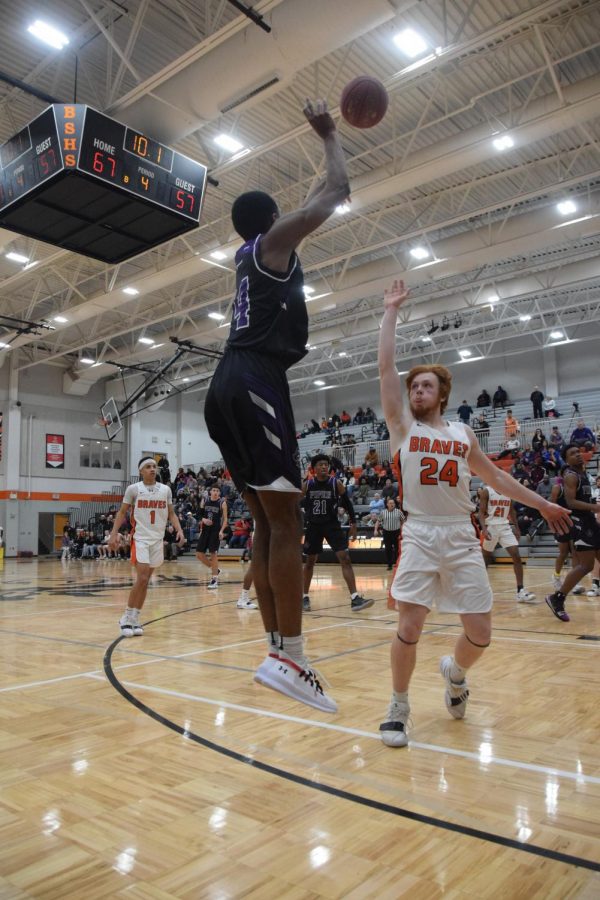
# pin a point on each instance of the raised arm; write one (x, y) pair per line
(390, 385)
(286, 232)
(557, 517)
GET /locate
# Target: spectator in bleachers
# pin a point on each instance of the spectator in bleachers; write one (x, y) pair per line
(345, 417)
(240, 533)
(464, 412)
(335, 421)
(383, 433)
(556, 440)
(511, 425)
(349, 481)
(484, 399)
(549, 408)
(359, 418)
(363, 491)
(324, 424)
(552, 461)
(170, 544)
(583, 436)
(370, 415)
(388, 489)
(536, 398)
(500, 397)
(371, 458)
(536, 472)
(538, 440)
(544, 487)
(375, 507)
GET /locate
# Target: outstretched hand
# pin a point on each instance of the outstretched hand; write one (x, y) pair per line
(395, 295)
(557, 518)
(318, 117)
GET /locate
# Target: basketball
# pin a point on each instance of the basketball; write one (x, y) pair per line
(364, 102)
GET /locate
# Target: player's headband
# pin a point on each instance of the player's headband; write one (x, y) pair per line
(145, 462)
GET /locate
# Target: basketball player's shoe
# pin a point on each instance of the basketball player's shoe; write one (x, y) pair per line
(594, 591)
(578, 589)
(295, 681)
(525, 596)
(126, 623)
(457, 693)
(556, 602)
(357, 603)
(212, 584)
(246, 603)
(393, 730)
(138, 629)
(556, 581)
(306, 603)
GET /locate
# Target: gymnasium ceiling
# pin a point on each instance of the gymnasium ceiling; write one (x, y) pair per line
(505, 266)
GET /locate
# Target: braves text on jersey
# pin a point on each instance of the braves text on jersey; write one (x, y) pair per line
(150, 509)
(435, 474)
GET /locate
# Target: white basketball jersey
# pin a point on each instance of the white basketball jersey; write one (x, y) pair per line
(498, 507)
(150, 509)
(434, 472)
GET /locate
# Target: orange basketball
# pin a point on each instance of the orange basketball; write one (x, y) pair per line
(364, 102)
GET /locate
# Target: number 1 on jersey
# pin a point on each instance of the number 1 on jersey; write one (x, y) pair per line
(152, 516)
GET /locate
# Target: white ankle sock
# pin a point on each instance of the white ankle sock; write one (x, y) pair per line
(400, 697)
(457, 673)
(293, 648)
(245, 594)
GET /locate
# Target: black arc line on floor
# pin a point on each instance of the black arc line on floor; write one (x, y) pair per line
(482, 835)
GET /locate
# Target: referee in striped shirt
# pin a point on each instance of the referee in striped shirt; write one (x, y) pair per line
(391, 519)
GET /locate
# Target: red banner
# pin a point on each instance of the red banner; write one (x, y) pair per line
(55, 451)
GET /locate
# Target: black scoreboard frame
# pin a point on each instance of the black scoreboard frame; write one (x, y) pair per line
(79, 143)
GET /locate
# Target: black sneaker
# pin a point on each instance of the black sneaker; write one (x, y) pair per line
(306, 603)
(556, 602)
(357, 603)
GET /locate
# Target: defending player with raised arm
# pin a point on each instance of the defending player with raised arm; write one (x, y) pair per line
(150, 506)
(248, 409)
(440, 561)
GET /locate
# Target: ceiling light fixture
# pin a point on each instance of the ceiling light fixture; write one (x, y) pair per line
(465, 353)
(226, 142)
(566, 207)
(49, 35)
(218, 317)
(60, 319)
(410, 42)
(133, 292)
(426, 338)
(556, 335)
(17, 257)
(342, 209)
(493, 298)
(419, 252)
(525, 317)
(319, 383)
(4, 346)
(145, 340)
(87, 360)
(218, 254)
(504, 142)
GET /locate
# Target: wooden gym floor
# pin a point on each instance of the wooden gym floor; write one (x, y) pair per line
(156, 768)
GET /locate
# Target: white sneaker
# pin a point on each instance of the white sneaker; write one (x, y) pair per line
(138, 628)
(246, 603)
(578, 589)
(457, 694)
(212, 584)
(525, 596)
(393, 730)
(126, 626)
(300, 684)
(556, 581)
(594, 591)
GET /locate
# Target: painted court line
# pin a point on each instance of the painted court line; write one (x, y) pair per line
(579, 777)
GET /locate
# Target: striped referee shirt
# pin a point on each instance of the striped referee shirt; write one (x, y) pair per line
(391, 519)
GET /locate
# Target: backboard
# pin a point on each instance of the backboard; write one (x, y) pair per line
(111, 418)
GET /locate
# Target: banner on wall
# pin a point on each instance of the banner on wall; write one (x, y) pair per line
(55, 451)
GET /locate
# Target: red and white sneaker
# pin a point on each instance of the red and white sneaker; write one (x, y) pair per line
(302, 684)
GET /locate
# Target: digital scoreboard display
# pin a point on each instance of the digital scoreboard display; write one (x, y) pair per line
(80, 180)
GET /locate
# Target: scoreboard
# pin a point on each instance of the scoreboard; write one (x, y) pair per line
(80, 180)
